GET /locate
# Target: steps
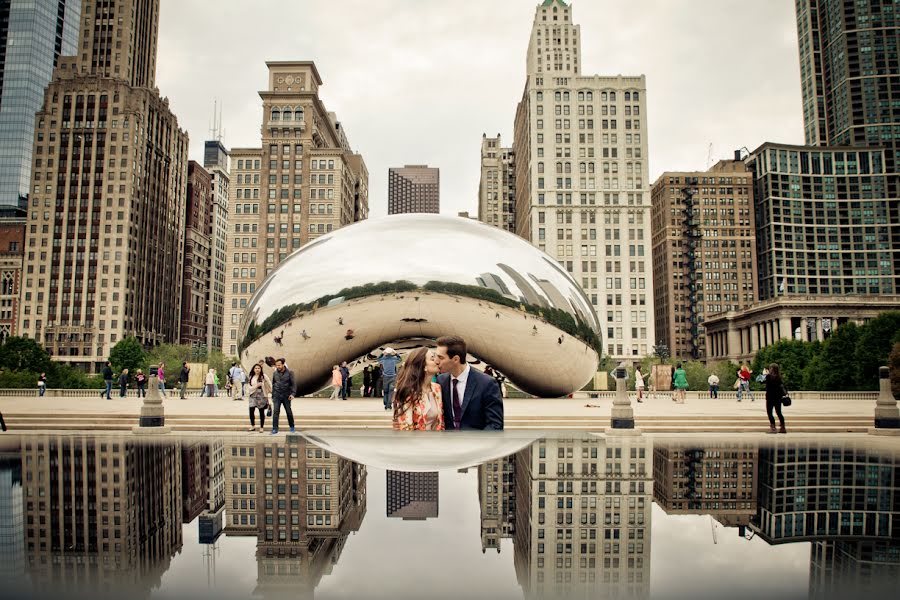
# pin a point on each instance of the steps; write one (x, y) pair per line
(649, 424)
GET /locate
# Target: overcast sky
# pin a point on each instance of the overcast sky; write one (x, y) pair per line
(420, 81)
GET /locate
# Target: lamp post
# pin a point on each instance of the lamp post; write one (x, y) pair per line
(153, 416)
(887, 415)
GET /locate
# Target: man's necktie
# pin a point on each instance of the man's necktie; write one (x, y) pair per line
(457, 406)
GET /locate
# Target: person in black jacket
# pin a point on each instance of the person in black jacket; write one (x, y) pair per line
(283, 387)
(108, 377)
(123, 383)
(775, 392)
(472, 400)
(183, 378)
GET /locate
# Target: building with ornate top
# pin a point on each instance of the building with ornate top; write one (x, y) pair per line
(303, 182)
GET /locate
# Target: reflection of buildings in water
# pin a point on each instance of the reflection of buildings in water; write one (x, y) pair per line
(210, 522)
(861, 569)
(717, 480)
(583, 508)
(497, 497)
(301, 503)
(194, 480)
(840, 491)
(100, 513)
(411, 496)
(12, 521)
(845, 499)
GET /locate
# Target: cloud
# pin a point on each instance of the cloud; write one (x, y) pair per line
(419, 81)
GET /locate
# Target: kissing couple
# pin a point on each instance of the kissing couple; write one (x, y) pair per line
(460, 398)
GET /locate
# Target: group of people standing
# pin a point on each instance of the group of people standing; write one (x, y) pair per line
(123, 380)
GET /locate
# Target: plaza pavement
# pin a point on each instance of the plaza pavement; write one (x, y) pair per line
(658, 414)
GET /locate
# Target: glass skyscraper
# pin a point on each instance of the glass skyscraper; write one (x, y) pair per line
(33, 34)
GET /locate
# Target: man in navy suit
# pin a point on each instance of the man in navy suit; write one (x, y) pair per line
(472, 399)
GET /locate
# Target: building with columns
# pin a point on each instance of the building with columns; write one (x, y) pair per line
(738, 335)
(704, 252)
(581, 177)
(497, 187)
(303, 182)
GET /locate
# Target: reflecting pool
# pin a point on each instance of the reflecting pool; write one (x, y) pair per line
(564, 516)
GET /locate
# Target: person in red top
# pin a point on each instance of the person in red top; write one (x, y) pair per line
(744, 383)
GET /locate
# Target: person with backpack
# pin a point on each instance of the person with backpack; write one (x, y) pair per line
(42, 385)
(141, 381)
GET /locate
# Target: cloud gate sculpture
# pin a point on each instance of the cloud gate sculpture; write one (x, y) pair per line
(406, 280)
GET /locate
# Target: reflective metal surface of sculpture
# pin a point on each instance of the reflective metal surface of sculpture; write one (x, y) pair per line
(411, 277)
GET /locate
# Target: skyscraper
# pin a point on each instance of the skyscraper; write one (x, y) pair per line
(582, 189)
(197, 252)
(33, 35)
(704, 252)
(848, 66)
(106, 214)
(497, 188)
(305, 181)
(414, 189)
(215, 161)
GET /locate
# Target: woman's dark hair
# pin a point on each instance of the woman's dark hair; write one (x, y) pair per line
(678, 366)
(409, 383)
(253, 371)
(775, 370)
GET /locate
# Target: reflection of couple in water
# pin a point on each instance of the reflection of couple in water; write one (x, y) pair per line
(438, 390)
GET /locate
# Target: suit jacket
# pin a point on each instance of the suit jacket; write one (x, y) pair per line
(482, 406)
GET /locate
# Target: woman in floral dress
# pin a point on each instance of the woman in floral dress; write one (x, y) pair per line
(417, 398)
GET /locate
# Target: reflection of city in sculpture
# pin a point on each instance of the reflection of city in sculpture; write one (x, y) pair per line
(425, 276)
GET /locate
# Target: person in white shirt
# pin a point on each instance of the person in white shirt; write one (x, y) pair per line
(713, 382)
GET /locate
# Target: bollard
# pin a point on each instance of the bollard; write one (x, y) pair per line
(622, 415)
(153, 415)
(887, 415)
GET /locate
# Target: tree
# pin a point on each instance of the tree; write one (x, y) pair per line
(792, 356)
(661, 351)
(24, 354)
(127, 354)
(697, 374)
(894, 362)
(873, 348)
(829, 369)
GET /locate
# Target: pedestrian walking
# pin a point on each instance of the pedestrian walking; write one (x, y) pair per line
(183, 378)
(260, 388)
(236, 373)
(337, 382)
(304, 335)
(210, 383)
(680, 383)
(713, 382)
(108, 376)
(140, 380)
(42, 384)
(743, 382)
(388, 361)
(345, 381)
(215, 384)
(776, 396)
(123, 383)
(367, 381)
(283, 387)
(161, 376)
(639, 383)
